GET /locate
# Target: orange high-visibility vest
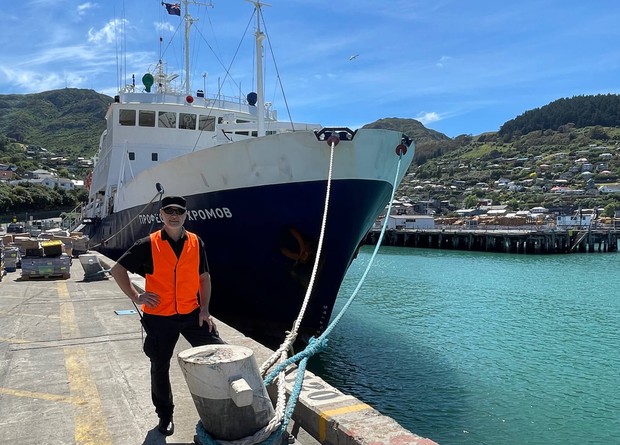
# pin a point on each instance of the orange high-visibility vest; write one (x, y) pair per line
(175, 280)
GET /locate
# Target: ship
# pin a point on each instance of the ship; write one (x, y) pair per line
(267, 196)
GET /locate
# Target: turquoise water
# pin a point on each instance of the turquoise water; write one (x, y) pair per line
(477, 348)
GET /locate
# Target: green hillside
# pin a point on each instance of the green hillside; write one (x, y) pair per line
(67, 122)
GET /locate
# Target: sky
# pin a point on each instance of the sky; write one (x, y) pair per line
(457, 66)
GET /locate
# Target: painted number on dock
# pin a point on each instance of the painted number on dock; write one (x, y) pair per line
(316, 392)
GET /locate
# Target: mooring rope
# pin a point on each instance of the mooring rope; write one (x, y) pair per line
(320, 343)
(292, 335)
(273, 431)
(335, 321)
(132, 220)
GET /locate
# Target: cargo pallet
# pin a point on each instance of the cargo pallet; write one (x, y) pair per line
(63, 276)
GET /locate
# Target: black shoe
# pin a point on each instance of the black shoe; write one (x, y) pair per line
(166, 426)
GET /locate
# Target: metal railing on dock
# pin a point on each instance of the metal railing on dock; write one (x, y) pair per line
(505, 240)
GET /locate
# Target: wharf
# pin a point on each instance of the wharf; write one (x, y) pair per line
(504, 240)
(72, 371)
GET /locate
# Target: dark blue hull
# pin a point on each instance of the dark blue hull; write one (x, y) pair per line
(261, 244)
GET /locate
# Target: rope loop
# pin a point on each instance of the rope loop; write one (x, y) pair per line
(315, 345)
(206, 439)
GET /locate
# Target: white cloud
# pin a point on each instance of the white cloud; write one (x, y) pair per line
(84, 7)
(164, 26)
(109, 33)
(31, 81)
(428, 117)
(443, 60)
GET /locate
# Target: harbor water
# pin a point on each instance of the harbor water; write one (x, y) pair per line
(480, 348)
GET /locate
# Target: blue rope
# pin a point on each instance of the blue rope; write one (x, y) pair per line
(292, 401)
(206, 439)
(314, 346)
(333, 324)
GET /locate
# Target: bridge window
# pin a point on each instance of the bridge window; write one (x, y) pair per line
(206, 123)
(132, 156)
(167, 119)
(147, 118)
(187, 121)
(154, 157)
(127, 118)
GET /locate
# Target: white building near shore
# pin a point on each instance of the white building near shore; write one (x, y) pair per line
(419, 222)
(577, 221)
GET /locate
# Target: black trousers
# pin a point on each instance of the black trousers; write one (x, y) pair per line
(162, 334)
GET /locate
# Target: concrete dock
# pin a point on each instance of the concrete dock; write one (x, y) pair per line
(72, 371)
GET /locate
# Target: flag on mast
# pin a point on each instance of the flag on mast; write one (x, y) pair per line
(173, 8)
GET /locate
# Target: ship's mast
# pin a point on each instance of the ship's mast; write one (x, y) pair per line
(260, 102)
(189, 21)
(188, 24)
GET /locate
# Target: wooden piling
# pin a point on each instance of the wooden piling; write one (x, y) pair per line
(520, 241)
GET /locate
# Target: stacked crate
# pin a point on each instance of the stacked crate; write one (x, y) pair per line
(44, 259)
(11, 258)
(46, 267)
(76, 243)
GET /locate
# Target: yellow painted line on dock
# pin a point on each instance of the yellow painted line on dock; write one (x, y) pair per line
(40, 396)
(28, 315)
(326, 415)
(90, 421)
(14, 340)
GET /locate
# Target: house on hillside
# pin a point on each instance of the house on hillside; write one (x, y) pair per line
(609, 188)
(402, 208)
(602, 166)
(428, 207)
(502, 182)
(468, 213)
(539, 210)
(46, 178)
(6, 173)
(65, 183)
(37, 174)
(587, 167)
(499, 210)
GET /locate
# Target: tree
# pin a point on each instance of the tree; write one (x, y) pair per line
(513, 204)
(470, 201)
(610, 209)
(64, 173)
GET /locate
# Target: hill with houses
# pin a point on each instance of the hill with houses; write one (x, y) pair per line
(563, 156)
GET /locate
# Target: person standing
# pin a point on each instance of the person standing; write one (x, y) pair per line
(175, 300)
